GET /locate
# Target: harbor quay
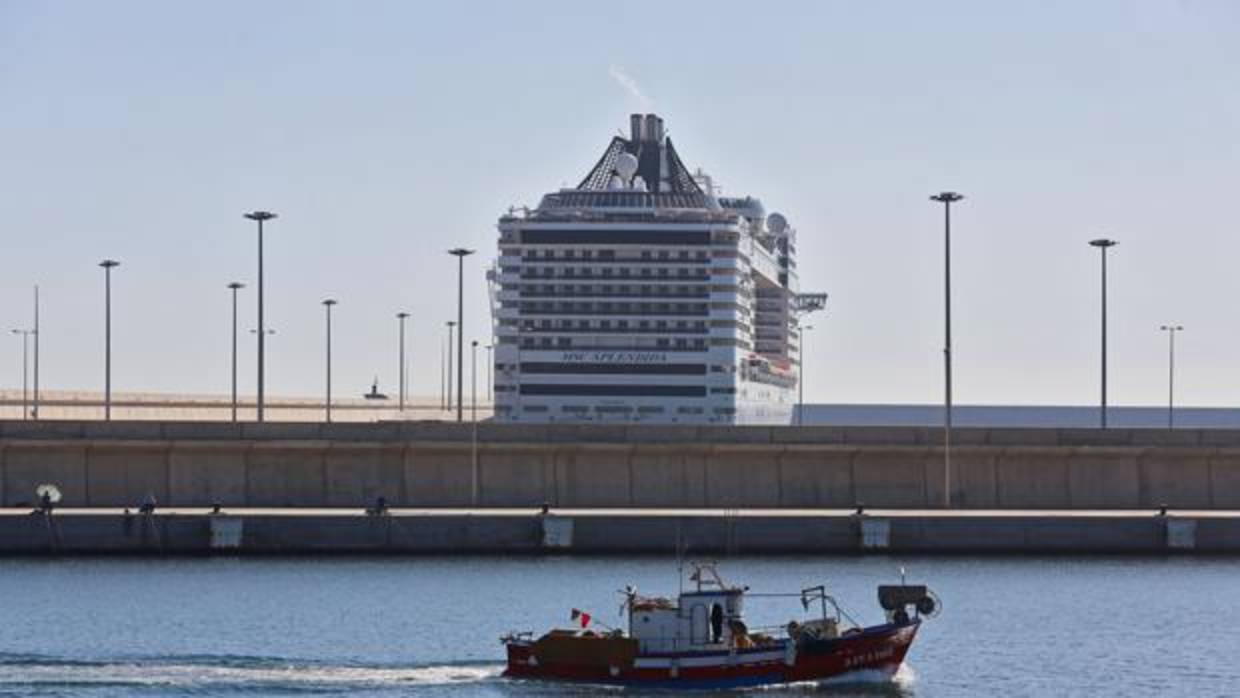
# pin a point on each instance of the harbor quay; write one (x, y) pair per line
(424, 487)
(443, 464)
(601, 531)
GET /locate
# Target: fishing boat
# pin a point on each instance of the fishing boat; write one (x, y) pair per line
(701, 641)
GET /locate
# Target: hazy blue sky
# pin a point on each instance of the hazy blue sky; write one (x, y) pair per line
(385, 133)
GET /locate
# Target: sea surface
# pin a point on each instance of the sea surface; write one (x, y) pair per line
(419, 626)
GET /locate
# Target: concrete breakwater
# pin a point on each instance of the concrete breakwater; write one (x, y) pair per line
(613, 531)
(433, 464)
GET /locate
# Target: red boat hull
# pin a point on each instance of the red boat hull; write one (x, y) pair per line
(879, 648)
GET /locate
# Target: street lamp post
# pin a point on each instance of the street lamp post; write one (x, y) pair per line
(490, 376)
(107, 265)
(34, 410)
(460, 253)
(801, 379)
(260, 217)
(327, 306)
(448, 382)
(473, 381)
(25, 335)
(235, 286)
(947, 198)
(1171, 331)
(1103, 244)
(401, 317)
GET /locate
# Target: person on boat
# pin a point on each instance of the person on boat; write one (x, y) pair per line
(716, 622)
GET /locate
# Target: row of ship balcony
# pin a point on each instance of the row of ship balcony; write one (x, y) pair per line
(663, 345)
(513, 261)
(764, 329)
(640, 292)
(643, 275)
(563, 328)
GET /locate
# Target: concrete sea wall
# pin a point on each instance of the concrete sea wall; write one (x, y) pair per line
(432, 464)
(594, 531)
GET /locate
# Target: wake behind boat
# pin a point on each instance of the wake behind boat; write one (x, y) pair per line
(701, 641)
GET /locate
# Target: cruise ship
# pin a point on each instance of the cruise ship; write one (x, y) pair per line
(645, 295)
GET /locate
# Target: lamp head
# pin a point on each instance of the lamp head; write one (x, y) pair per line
(329, 302)
(236, 285)
(109, 263)
(947, 197)
(260, 215)
(460, 252)
(1103, 243)
(402, 315)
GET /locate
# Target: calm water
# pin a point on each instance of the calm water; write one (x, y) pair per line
(429, 626)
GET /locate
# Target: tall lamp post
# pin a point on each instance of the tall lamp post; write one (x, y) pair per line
(448, 381)
(490, 376)
(1171, 331)
(34, 411)
(107, 265)
(460, 253)
(25, 335)
(801, 379)
(473, 381)
(260, 217)
(947, 198)
(401, 317)
(327, 306)
(234, 286)
(1103, 244)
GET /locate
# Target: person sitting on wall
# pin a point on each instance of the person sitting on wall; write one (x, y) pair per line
(45, 503)
(148, 505)
(380, 507)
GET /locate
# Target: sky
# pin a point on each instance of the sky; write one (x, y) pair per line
(385, 133)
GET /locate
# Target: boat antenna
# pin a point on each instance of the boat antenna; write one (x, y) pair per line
(680, 560)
